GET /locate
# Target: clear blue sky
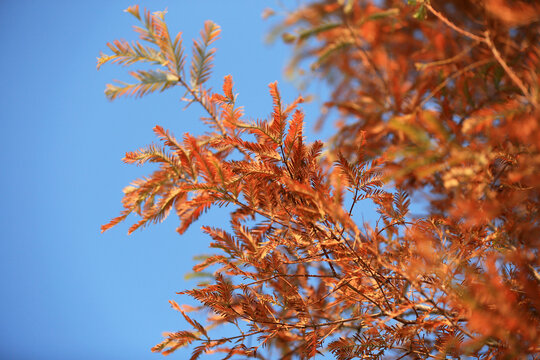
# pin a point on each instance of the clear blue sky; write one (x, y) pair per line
(67, 291)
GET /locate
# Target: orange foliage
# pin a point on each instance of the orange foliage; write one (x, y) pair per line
(438, 99)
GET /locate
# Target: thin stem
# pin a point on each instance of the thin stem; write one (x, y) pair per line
(210, 112)
(368, 59)
(423, 66)
(451, 24)
(454, 75)
(513, 76)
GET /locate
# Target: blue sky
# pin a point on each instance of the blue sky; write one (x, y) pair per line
(67, 291)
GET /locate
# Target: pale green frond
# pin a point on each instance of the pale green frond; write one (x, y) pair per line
(330, 51)
(201, 62)
(179, 53)
(149, 81)
(155, 31)
(168, 54)
(125, 54)
(172, 51)
(317, 30)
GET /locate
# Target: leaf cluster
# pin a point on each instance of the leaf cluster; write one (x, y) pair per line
(437, 100)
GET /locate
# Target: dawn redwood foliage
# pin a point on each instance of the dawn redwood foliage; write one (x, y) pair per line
(436, 100)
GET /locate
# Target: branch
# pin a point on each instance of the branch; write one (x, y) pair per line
(513, 76)
(487, 40)
(451, 24)
(204, 105)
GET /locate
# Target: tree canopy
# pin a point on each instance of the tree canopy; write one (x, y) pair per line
(435, 102)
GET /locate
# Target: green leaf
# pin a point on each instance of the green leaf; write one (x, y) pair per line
(420, 13)
(414, 132)
(330, 51)
(435, 125)
(310, 32)
(149, 81)
(382, 14)
(201, 63)
(198, 275)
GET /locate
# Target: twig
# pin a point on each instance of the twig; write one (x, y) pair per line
(367, 58)
(204, 105)
(454, 75)
(423, 66)
(513, 76)
(451, 24)
(487, 40)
